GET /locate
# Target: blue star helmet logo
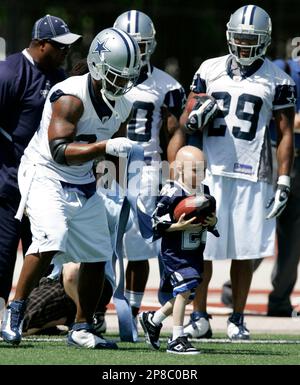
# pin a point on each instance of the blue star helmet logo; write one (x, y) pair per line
(101, 47)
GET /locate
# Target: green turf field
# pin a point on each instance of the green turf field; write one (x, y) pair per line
(262, 350)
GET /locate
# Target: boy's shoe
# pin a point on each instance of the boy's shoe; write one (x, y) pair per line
(236, 328)
(151, 330)
(12, 324)
(83, 335)
(181, 346)
(198, 326)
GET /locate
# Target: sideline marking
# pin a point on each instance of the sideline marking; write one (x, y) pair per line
(201, 340)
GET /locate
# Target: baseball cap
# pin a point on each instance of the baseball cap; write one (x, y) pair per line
(53, 28)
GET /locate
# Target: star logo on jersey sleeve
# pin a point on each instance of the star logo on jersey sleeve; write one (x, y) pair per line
(101, 47)
(292, 98)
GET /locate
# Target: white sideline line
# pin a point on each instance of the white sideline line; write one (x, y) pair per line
(204, 340)
(34, 339)
(224, 340)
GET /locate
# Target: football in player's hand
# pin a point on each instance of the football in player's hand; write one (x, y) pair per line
(199, 206)
(196, 101)
(201, 109)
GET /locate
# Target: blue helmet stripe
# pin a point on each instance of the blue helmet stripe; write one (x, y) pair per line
(137, 15)
(127, 46)
(244, 14)
(135, 53)
(252, 15)
(128, 23)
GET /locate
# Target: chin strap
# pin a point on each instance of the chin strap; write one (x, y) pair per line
(148, 68)
(116, 114)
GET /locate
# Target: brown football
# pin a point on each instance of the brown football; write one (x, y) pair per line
(199, 206)
(196, 99)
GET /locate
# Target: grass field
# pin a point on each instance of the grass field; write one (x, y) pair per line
(261, 350)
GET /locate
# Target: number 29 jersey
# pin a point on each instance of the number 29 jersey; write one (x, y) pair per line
(237, 142)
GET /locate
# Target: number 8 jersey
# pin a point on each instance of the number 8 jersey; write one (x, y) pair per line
(237, 142)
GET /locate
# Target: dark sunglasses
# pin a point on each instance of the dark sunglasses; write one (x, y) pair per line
(57, 45)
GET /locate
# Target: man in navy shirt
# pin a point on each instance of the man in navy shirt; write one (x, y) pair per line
(25, 80)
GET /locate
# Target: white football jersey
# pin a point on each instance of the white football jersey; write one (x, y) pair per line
(236, 142)
(148, 97)
(97, 123)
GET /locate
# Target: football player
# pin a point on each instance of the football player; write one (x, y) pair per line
(158, 101)
(68, 219)
(249, 90)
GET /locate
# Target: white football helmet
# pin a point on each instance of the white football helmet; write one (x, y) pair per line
(114, 57)
(141, 28)
(252, 23)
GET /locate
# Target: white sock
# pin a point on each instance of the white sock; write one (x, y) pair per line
(158, 317)
(177, 332)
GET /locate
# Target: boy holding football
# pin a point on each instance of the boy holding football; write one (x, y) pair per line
(182, 247)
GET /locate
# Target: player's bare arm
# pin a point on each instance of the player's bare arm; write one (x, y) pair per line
(171, 123)
(66, 112)
(178, 138)
(297, 123)
(185, 114)
(168, 127)
(284, 120)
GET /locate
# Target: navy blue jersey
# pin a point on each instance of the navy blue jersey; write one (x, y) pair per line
(23, 91)
(180, 250)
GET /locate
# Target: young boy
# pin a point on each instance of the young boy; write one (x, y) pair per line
(182, 249)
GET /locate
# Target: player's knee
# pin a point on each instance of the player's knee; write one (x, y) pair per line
(70, 273)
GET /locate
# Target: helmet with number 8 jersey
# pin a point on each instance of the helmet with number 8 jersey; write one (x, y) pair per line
(114, 57)
(141, 28)
(253, 25)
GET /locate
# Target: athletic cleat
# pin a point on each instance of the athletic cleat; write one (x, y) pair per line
(83, 335)
(181, 346)
(236, 328)
(12, 323)
(151, 330)
(99, 323)
(198, 326)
